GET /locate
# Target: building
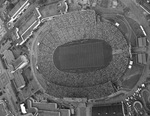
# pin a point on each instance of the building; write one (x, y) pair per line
(29, 114)
(145, 5)
(48, 113)
(20, 63)
(142, 57)
(46, 109)
(8, 55)
(16, 12)
(54, 9)
(5, 46)
(3, 111)
(108, 110)
(2, 29)
(19, 80)
(65, 112)
(142, 41)
(45, 106)
(27, 24)
(2, 66)
(17, 8)
(4, 80)
(82, 111)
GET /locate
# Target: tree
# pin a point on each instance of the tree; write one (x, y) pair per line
(10, 7)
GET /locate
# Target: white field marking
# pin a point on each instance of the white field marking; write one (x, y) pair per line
(143, 30)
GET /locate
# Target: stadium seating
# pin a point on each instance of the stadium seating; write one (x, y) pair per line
(75, 26)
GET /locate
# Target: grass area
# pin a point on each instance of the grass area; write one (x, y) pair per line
(130, 83)
(135, 27)
(133, 40)
(132, 77)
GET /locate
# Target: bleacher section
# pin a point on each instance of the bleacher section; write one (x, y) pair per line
(75, 26)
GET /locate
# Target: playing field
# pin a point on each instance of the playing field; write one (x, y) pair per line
(83, 56)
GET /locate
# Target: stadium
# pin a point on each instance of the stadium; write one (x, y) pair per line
(79, 55)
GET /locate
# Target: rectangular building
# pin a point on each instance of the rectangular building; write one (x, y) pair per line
(3, 111)
(142, 58)
(4, 80)
(45, 106)
(108, 110)
(19, 80)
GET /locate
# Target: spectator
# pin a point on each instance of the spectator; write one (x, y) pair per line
(74, 26)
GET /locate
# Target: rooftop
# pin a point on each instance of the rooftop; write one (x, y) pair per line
(2, 109)
(108, 110)
(3, 80)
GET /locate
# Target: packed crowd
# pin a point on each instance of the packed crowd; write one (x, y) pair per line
(75, 26)
(93, 92)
